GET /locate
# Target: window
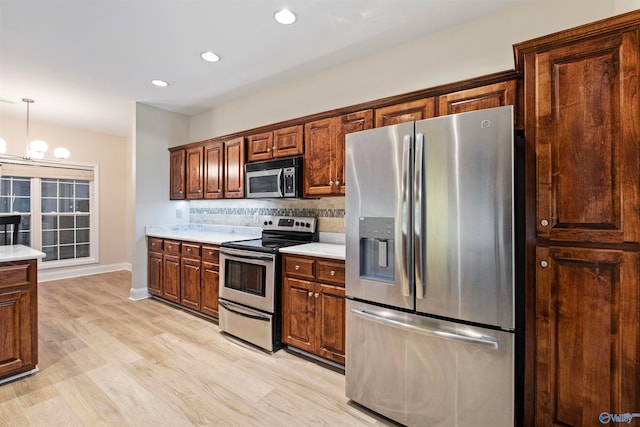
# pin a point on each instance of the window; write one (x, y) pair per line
(57, 206)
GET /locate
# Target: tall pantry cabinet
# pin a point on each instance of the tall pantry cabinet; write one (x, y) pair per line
(582, 129)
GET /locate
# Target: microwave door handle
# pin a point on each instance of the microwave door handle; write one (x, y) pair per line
(280, 182)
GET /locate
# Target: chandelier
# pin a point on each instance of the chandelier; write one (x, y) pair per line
(36, 149)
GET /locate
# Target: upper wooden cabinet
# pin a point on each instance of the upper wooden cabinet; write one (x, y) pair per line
(214, 167)
(279, 143)
(489, 96)
(177, 172)
(324, 148)
(405, 112)
(582, 115)
(234, 168)
(194, 173)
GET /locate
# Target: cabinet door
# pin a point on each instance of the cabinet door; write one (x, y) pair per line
(260, 147)
(287, 141)
(320, 139)
(177, 175)
(214, 170)
(154, 273)
(489, 96)
(190, 283)
(234, 169)
(171, 277)
(195, 182)
(15, 332)
(582, 110)
(330, 322)
(406, 112)
(587, 331)
(298, 320)
(353, 122)
(209, 282)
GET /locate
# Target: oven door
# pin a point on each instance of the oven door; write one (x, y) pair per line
(248, 278)
(264, 183)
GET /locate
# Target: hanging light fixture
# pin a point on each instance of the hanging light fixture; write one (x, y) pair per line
(35, 150)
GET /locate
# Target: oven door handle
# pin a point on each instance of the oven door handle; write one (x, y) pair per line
(235, 255)
(237, 310)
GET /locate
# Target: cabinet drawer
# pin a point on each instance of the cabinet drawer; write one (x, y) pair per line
(211, 254)
(155, 244)
(14, 274)
(191, 250)
(330, 271)
(172, 247)
(299, 267)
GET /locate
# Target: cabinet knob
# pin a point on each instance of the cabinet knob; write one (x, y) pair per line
(210, 253)
(297, 267)
(333, 273)
(188, 249)
(316, 295)
(330, 182)
(310, 294)
(180, 191)
(219, 190)
(274, 148)
(544, 264)
(337, 182)
(544, 222)
(268, 150)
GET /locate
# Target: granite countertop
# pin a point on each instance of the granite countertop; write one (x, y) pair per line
(203, 233)
(18, 253)
(320, 249)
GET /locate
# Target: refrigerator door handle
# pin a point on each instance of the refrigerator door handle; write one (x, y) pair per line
(482, 340)
(406, 226)
(418, 220)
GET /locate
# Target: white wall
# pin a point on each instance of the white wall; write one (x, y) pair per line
(477, 48)
(155, 131)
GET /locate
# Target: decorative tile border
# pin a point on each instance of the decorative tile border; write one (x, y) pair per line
(278, 211)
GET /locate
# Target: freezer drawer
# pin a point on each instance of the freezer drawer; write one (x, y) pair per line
(422, 371)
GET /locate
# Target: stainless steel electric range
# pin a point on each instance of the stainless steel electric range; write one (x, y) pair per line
(251, 280)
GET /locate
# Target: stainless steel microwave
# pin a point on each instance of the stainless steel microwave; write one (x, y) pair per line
(281, 178)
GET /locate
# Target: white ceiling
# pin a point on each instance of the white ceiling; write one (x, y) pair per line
(85, 62)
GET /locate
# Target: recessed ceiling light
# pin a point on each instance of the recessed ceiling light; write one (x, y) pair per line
(210, 56)
(160, 83)
(285, 16)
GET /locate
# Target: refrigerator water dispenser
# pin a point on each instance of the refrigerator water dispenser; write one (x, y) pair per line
(377, 248)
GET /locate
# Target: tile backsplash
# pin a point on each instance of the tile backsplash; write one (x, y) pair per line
(249, 212)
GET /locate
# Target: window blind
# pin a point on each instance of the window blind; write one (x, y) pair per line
(35, 170)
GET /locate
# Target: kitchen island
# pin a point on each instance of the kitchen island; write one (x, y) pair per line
(18, 311)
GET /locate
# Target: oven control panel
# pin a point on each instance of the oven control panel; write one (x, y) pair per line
(289, 223)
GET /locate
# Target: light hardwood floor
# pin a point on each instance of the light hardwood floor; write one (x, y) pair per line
(108, 361)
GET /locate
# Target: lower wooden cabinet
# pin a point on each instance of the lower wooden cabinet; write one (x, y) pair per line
(18, 317)
(587, 334)
(185, 273)
(313, 317)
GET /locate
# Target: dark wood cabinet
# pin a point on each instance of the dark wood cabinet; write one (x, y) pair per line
(190, 267)
(194, 173)
(214, 169)
(489, 96)
(18, 317)
(234, 168)
(581, 115)
(405, 112)
(324, 148)
(279, 143)
(154, 266)
(314, 306)
(210, 280)
(171, 271)
(177, 174)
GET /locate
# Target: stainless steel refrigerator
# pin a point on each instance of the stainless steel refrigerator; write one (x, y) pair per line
(430, 270)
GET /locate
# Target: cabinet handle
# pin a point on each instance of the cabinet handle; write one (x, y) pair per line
(297, 267)
(544, 222)
(544, 264)
(310, 294)
(316, 295)
(333, 273)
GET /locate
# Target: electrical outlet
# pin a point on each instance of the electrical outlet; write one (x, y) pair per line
(204, 216)
(178, 213)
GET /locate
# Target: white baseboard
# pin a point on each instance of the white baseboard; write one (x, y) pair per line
(138, 294)
(69, 272)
